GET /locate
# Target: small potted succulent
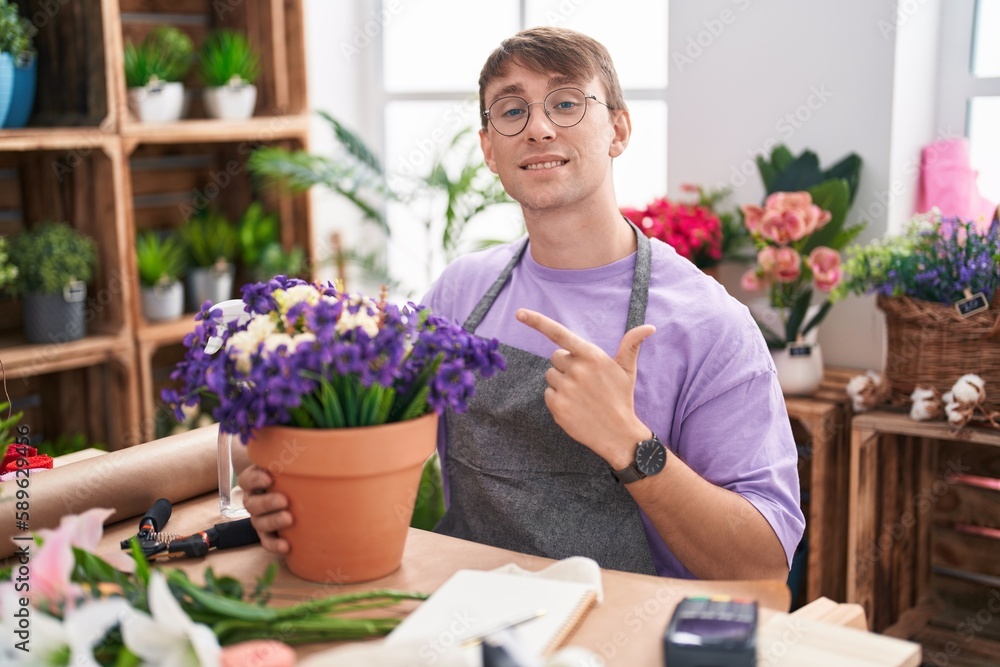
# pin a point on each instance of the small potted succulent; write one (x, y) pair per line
(54, 264)
(154, 71)
(211, 243)
(161, 260)
(18, 70)
(229, 65)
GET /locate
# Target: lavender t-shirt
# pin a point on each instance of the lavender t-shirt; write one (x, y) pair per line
(706, 384)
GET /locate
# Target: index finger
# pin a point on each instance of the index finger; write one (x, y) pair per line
(552, 330)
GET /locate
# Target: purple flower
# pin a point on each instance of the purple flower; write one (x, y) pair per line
(388, 364)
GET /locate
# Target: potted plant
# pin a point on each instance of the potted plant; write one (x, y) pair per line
(798, 234)
(54, 264)
(154, 71)
(229, 65)
(938, 284)
(18, 68)
(211, 243)
(8, 272)
(694, 231)
(353, 387)
(261, 254)
(161, 261)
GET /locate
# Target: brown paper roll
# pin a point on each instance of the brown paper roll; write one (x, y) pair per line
(130, 480)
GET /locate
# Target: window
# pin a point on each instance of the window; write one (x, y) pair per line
(427, 92)
(969, 84)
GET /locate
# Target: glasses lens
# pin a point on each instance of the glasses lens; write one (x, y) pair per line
(509, 115)
(565, 106)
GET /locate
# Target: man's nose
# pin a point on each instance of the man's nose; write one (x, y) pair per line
(540, 127)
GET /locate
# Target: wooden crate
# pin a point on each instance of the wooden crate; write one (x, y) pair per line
(904, 508)
(72, 88)
(274, 28)
(168, 182)
(97, 400)
(77, 186)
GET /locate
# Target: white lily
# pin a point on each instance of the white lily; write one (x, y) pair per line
(169, 637)
(70, 640)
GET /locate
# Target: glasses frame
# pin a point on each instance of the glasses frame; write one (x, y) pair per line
(548, 114)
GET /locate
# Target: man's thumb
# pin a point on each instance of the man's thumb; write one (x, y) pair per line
(628, 349)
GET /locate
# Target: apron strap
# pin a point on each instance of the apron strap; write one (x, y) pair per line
(637, 300)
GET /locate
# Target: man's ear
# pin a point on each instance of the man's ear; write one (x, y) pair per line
(487, 145)
(622, 127)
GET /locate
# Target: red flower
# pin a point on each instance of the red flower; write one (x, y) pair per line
(694, 231)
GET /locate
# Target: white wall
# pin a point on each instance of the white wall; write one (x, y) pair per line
(746, 75)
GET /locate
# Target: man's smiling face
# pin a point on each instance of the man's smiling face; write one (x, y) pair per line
(547, 166)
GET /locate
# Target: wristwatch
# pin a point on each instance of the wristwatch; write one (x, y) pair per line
(650, 458)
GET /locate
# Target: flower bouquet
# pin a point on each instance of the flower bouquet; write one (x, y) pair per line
(798, 233)
(694, 230)
(337, 396)
(938, 284)
(85, 610)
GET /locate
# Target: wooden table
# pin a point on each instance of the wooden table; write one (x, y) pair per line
(893, 489)
(626, 629)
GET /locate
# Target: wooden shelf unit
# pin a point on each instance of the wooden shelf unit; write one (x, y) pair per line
(85, 159)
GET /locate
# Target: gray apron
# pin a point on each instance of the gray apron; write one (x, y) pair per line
(518, 481)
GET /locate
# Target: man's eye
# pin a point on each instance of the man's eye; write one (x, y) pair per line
(566, 106)
(513, 113)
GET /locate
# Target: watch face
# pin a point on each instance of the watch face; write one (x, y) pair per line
(650, 457)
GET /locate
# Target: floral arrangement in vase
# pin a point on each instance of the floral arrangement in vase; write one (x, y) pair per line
(312, 356)
(88, 610)
(798, 234)
(693, 229)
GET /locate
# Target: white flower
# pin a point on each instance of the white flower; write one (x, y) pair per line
(276, 340)
(958, 413)
(60, 642)
(866, 391)
(970, 389)
(168, 637)
(260, 327)
(926, 404)
(286, 298)
(304, 337)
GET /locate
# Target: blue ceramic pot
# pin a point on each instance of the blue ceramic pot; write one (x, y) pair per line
(23, 95)
(6, 85)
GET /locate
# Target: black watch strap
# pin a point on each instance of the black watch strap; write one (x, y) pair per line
(628, 474)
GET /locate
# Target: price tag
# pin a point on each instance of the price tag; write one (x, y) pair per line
(800, 350)
(972, 304)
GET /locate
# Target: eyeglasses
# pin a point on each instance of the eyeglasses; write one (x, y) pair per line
(565, 107)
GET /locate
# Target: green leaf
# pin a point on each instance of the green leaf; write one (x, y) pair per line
(849, 169)
(767, 173)
(830, 196)
(818, 317)
(418, 406)
(781, 158)
(262, 591)
(353, 143)
(801, 174)
(797, 314)
(773, 340)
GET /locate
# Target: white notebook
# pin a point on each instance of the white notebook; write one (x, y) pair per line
(472, 602)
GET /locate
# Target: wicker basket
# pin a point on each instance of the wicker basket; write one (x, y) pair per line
(930, 343)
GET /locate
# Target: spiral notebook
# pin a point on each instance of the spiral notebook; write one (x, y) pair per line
(472, 602)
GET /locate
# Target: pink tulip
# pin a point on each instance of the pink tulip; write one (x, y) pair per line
(767, 257)
(751, 217)
(825, 265)
(750, 281)
(783, 200)
(788, 264)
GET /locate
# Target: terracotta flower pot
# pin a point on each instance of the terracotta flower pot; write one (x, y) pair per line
(351, 492)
